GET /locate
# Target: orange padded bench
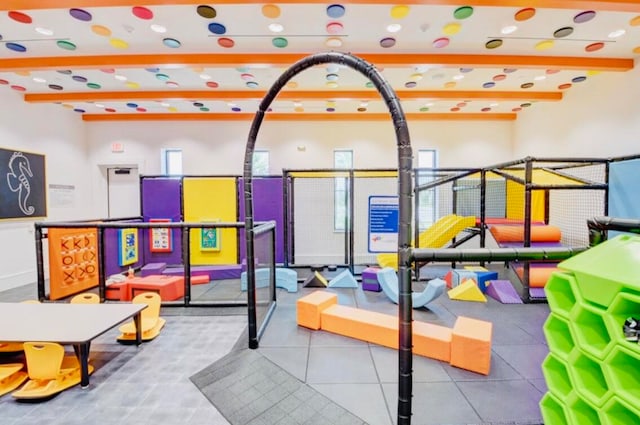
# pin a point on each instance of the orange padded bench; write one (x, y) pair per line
(471, 345)
(168, 287)
(506, 233)
(429, 340)
(538, 276)
(467, 346)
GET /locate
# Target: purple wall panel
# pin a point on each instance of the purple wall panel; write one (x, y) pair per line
(267, 205)
(161, 198)
(112, 248)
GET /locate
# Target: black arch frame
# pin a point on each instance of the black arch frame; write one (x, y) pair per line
(405, 192)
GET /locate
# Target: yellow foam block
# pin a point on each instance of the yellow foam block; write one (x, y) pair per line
(432, 341)
(429, 340)
(467, 291)
(309, 308)
(476, 269)
(471, 345)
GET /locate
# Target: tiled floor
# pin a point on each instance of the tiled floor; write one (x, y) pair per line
(151, 384)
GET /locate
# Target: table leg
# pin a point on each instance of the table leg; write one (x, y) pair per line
(82, 351)
(137, 320)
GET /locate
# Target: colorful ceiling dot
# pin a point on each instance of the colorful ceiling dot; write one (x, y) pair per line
(16, 47)
(108, 70)
(563, 32)
(634, 22)
(158, 28)
(544, 45)
(493, 44)
(400, 11)
(368, 85)
(440, 43)
(617, 33)
(362, 109)
(298, 109)
(335, 11)
(280, 42)
(455, 109)
(118, 43)
(79, 78)
(132, 85)
(332, 84)
(132, 105)
(449, 84)
(3, 82)
(516, 109)
(204, 109)
(488, 85)
(526, 85)
(66, 45)
(67, 105)
(162, 77)
(564, 86)
(416, 77)
(636, 50)
(23, 73)
(206, 12)
(109, 110)
(578, 79)
(463, 12)
(80, 14)
(251, 84)
(217, 28)
(236, 109)
(198, 104)
(226, 42)
(592, 73)
(172, 84)
(387, 42)
(524, 14)
(18, 88)
(334, 28)
(64, 71)
(94, 86)
(270, 11)
(466, 70)
(499, 77)
(393, 28)
(172, 109)
(451, 29)
(212, 84)
(171, 42)
(101, 30)
(509, 70)
(331, 109)
(410, 84)
(292, 85)
(332, 77)
(551, 71)
(583, 17)
(55, 87)
(461, 104)
(424, 109)
(79, 110)
(333, 42)
(142, 12)
(485, 109)
(594, 47)
(152, 70)
(525, 105)
(23, 18)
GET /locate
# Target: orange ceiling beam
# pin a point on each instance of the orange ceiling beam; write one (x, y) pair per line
(298, 117)
(610, 5)
(233, 95)
(287, 59)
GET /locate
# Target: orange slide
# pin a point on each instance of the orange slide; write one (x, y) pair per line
(467, 345)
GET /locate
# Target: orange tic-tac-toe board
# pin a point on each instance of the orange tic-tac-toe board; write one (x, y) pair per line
(73, 261)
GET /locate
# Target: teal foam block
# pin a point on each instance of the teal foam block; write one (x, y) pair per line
(603, 271)
(343, 280)
(285, 279)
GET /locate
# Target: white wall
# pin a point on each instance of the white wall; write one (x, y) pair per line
(218, 147)
(57, 133)
(600, 118)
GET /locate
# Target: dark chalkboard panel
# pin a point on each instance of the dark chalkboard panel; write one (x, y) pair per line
(23, 191)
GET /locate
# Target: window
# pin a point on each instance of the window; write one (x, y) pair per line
(171, 162)
(342, 158)
(426, 198)
(260, 163)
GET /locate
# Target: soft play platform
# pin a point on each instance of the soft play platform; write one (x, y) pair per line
(215, 272)
(389, 283)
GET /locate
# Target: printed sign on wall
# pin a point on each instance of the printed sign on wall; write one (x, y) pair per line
(22, 185)
(383, 223)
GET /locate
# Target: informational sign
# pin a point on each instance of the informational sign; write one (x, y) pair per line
(210, 237)
(383, 224)
(160, 239)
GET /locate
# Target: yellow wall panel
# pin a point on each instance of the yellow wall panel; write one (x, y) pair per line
(210, 199)
(515, 202)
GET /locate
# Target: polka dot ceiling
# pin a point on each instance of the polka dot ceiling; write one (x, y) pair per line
(94, 47)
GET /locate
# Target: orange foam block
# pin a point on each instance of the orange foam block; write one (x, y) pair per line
(200, 279)
(505, 233)
(538, 276)
(471, 345)
(310, 306)
(429, 340)
(169, 288)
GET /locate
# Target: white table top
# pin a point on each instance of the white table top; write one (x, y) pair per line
(62, 323)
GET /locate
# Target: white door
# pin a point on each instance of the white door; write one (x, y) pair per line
(124, 192)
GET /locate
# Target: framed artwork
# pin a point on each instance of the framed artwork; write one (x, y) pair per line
(160, 238)
(22, 185)
(128, 242)
(210, 237)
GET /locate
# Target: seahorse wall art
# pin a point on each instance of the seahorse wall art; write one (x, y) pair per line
(22, 184)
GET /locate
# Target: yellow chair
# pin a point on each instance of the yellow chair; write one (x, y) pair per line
(11, 376)
(151, 324)
(85, 298)
(50, 372)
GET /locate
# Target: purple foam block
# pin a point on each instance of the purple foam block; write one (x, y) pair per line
(152, 268)
(370, 279)
(503, 291)
(215, 272)
(537, 293)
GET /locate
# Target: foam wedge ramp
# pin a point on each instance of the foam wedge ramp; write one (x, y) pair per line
(389, 283)
(503, 291)
(343, 280)
(467, 291)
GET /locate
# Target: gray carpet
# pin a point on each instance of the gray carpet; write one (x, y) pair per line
(247, 388)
